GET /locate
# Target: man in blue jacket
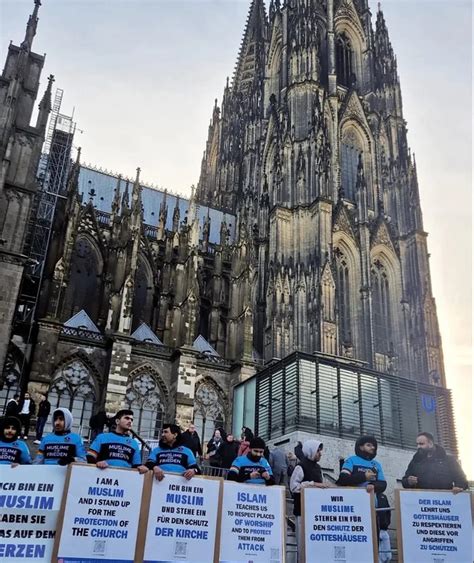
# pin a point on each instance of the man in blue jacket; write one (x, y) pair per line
(171, 455)
(252, 468)
(362, 469)
(12, 450)
(117, 448)
(62, 446)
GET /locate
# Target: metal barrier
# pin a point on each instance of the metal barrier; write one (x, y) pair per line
(210, 471)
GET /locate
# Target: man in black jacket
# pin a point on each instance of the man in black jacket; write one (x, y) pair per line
(190, 439)
(44, 409)
(432, 468)
(12, 408)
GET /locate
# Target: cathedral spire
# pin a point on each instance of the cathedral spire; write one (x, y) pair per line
(193, 218)
(137, 193)
(385, 60)
(125, 198)
(31, 27)
(45, 106)
(72, 189)
(250, 61)
(176, 216)
(76, 168)
(116, 200)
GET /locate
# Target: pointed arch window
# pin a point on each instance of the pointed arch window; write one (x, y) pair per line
(73, 387)
(142, 296)
(209, 411)
(343, 295)
(345, 61)
(144, 398)
(83, 290)
(382, 314)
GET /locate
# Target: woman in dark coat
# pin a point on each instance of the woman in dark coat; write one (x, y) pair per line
(213, 447)
(228, 451)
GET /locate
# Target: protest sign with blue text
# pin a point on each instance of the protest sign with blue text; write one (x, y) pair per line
(434, 526)
(339, 525)
(30, 500)
(100, 515)
(252, 524)
(183, 520)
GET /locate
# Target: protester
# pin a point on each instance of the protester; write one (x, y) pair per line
(61, 447)
(279, 465)
(12, 406)
(213, 448)
(26, 409)
(432, 468)
(228, 451)
(252, 468)
(246, 437)
(307, 473)
(363, 470)
(191, 440)
(44, 408)
(171, 455)
(12, 451)
(291, 460)
(97, 423)
(117, 448)
(299, 451)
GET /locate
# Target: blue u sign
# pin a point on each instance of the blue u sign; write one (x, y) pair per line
(428, 402)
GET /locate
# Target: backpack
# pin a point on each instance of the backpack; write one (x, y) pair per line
(384, 516)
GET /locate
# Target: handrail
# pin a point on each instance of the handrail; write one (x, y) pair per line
(143, 442)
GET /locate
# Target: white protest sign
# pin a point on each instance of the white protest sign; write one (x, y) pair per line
(339, 525)
(252, 523)
(101, 514)
(30, 500)
(434, 526)
(183, 520)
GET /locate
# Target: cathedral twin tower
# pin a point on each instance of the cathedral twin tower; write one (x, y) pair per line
(309, 150)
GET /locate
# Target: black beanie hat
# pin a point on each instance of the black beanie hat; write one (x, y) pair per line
(257, 443)
(366, 440)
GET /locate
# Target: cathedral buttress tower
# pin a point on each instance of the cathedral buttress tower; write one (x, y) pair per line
(20, 150)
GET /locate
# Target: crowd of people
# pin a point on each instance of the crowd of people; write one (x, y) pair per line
(247, 460)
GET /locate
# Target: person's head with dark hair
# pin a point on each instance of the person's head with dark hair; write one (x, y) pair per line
(425, 442)
(16, 397)
(123, 421)
(366, 447)
(247, 434)
(256, 449)
(170, 435)
(10, 428)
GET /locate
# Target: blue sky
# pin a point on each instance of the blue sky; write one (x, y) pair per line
(142, 76)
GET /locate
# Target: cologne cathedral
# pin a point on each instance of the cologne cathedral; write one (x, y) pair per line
(304, 233)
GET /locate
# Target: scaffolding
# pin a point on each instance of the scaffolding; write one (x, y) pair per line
(53, 170)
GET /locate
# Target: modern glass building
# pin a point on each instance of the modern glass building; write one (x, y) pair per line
(331, 396)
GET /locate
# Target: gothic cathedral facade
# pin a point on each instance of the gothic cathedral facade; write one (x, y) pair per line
(304, 233)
